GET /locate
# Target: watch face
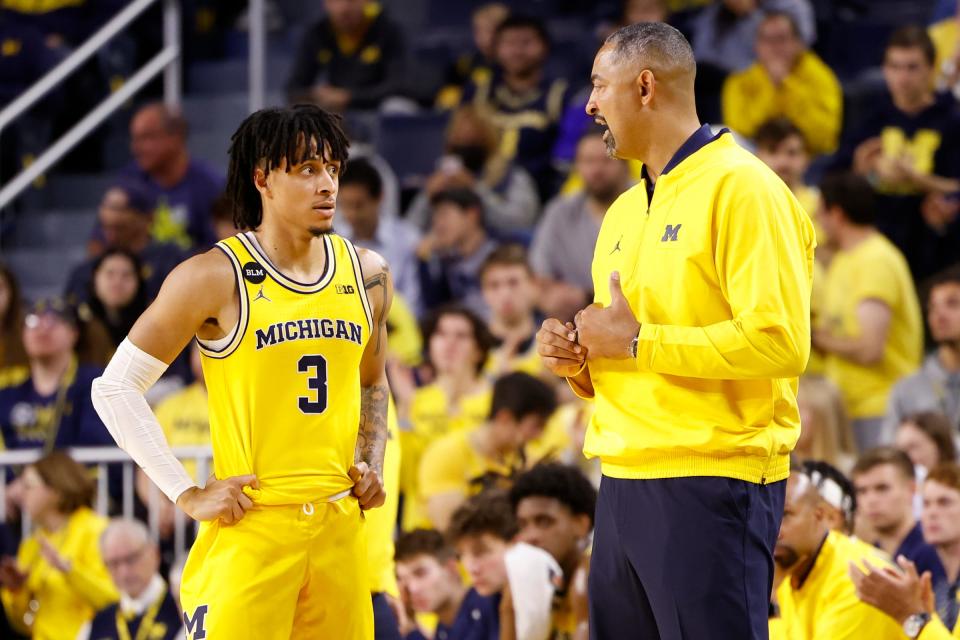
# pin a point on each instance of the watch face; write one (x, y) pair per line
(913, 625)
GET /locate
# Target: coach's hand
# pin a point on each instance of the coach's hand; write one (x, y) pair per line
(607, 332)
(558, 348)
(223, 499)
(367, 486)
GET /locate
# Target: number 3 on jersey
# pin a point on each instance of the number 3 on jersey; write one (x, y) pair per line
(317, 382)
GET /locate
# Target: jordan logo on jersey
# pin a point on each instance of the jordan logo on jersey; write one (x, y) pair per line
(309, 329)
(261, 296)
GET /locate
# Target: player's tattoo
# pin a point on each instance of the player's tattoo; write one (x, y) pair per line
(373, 433)
(373, 282)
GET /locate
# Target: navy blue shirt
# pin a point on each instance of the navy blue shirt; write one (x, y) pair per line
(165, 625)
(477, 619)
(184, 212)
(29, 420)
(923, 555)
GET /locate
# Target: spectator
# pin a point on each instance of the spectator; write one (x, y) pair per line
(927, 439)
(562, 249)
(466, 462)
(125, 217)
(510, 292)
(554, 506)
(725, 31)
(183, 188)
(817, 598)
(458, 343)
(430, 583)
(476, 66)
(58, 580)
(782, 147)
(453, 250)
(936, 386)
(838, 496)
(885, 484)
(117, 292)
(472, 161)
(12, 353)
(520, 576)
(946, 40)
(359, 199)
(941, 528)
(525, 103)
(51, 408)
(146, 608)
(904, 596)
(354, 58)
(789, 80)
(909, 148)
(870, 330)
(826, 432)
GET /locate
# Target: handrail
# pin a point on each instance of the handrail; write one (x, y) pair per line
(57, 75)
(93, 119)
(256, 64)
(167, 60)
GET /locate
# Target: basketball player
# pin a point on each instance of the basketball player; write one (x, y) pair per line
(701, 326)
(290, 320)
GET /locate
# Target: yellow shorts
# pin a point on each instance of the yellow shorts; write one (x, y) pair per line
(281, 572)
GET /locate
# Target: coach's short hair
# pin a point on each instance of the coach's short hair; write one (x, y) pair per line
(879, 456)
(563, 482)
(489, 512)
(852, 194)
(655, 42)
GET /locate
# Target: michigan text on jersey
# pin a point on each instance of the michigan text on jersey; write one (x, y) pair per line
(309, 329)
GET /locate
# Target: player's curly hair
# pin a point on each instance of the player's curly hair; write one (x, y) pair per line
(564, 483)
(267, 138)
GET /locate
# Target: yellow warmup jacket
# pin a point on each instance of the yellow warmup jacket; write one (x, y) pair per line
(936, 630)
(810, 97)
(718, 271)
(67, 600)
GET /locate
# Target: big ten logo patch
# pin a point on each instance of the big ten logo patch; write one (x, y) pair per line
(346, 289)
(254, 273)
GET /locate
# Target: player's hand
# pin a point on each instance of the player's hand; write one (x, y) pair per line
(223, 499)
(607, 332)
(558, 348)
(367, 486)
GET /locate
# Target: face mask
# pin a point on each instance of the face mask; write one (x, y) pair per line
(474, 156)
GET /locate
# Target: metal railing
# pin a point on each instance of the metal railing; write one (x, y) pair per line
(166, 61)
(102, 458)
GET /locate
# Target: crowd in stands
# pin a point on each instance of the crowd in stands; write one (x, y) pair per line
(490, 533)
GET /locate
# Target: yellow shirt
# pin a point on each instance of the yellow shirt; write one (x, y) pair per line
(432, 417)
(405, 343)
(810, 97)
(452, 464)
(501, 362)
(185, 418)
(873, 270)
(285, 391)
(936, 630)
(382, 522)
(67, 600)
(718, 272)
(945, 36)
(826, 604)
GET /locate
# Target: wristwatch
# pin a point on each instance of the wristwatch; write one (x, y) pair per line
(634, 344)
(913, 625)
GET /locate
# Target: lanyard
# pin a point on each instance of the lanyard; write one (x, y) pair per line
(143, 633)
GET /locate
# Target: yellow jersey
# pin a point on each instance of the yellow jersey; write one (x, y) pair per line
(873, 270)
(718, 270)
(284, 386)
(825, 605)
(452, 464)
(67, 600)
(185, 418)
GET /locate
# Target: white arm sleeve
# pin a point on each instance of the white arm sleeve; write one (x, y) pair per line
(118, 397)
